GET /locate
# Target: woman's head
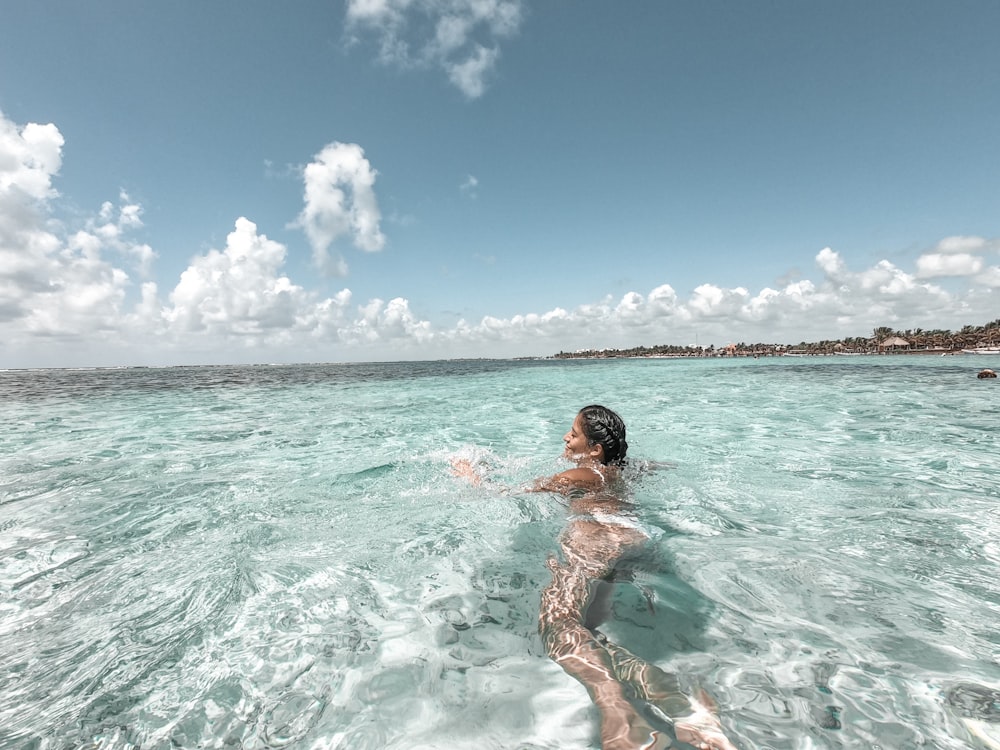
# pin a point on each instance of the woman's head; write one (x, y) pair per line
(599, 427)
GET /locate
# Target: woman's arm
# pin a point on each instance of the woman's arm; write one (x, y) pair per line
(566, 481)
(463, 468)
(563, 483)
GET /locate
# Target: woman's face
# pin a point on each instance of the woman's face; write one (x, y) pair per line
(577, 445)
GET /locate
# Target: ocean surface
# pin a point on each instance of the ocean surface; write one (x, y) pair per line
(280, 557)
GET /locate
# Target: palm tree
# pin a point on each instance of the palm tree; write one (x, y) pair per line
(882, 332)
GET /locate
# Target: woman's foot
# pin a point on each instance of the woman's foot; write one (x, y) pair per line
(623, 728)
(702, 728)
(703, 738)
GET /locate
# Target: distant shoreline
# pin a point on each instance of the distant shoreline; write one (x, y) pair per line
(722, 354)
(884, 341)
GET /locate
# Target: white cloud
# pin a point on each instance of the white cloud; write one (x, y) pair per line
(52, 285)
(989, 277)
(959, 256)
(29, 158)
(962, 244)
(237, 290)
(469, 186)
(460, 37)
(64, 287)
(340, 201)
(934, 265)
(842, 303)
(241, 293)
(631, 307)
(709, 301)
(469, 75)
(380, 321)
(110, 228)
(374, 11)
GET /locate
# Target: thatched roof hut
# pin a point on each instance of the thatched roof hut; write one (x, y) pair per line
(894, 342)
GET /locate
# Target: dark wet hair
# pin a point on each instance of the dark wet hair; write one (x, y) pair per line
(602, 426)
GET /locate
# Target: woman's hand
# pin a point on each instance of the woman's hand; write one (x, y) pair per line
(463, 468)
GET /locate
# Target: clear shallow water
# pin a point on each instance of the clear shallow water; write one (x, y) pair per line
(278, 556)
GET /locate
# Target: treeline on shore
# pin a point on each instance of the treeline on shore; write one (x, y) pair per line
(884, 340)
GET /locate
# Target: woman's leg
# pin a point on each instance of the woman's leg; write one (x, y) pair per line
(694, 720)
(577, 651)
(611, 674)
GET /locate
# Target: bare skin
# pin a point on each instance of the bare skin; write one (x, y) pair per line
(590, 548)
(591, 545)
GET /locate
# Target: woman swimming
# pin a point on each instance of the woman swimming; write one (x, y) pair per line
(599, 533)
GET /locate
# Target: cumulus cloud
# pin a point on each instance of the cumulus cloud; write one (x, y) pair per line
(842, 302)
(934, 265)
(29, 158)
(961, 244)
(241, 292)
(381, 321)
(459, 37)
(340, 202)
(237, 290)
(53, 285)
(111, 228)
(709, 301)
(990, 277)
(960, 256)
(66, 284)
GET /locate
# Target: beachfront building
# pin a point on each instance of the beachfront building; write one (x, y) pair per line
(893, 343)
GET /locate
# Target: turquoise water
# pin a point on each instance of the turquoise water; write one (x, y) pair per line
(265, 557)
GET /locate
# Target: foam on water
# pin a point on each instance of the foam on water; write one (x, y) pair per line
(279, 556)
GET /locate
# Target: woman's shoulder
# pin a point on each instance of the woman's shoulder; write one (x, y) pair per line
(583, 473)
(583, 476)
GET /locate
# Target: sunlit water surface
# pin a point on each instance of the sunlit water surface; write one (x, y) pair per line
(265, 557)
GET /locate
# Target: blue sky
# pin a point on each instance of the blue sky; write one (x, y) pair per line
(193, 182)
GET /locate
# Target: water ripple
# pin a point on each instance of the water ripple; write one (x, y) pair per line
(279, 557)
